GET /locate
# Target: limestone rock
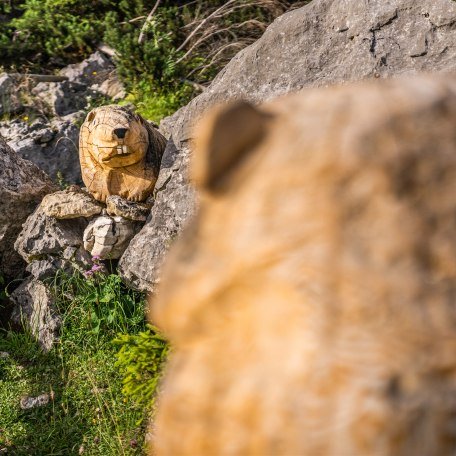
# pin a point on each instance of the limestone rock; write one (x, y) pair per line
(29, 402)
(9, 102)
(22, 187)
(108, 237)
(93, 70)
(328, 42)
(70, 203)
(49, 244)
(111, 87)
(87, 80)
(322, 43)
(35, 310)
(63, 98)
(99, 74)
(130, 210)
(52, 146)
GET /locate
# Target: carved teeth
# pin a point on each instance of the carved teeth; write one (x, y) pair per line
(121, 150)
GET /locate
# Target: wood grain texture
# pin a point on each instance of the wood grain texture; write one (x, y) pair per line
(311, 303)
(120, 154)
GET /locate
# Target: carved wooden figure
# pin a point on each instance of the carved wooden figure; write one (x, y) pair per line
(120, 153)
(311, 304)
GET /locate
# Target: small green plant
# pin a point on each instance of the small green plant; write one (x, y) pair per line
(60, 180)
(23, 345)
(141, 358)
(98, 302)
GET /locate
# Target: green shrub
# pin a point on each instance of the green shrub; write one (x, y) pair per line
(52, 32)
(141, 358)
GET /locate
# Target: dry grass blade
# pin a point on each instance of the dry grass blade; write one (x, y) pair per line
(217, 31)
(149, 17)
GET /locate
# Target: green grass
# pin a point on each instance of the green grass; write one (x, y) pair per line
(88, 412)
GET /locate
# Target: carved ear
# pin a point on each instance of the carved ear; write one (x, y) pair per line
(223, 139)
(91, 116)
(147, 123)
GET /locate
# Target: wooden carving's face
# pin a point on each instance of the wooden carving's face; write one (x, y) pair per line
(114, 137)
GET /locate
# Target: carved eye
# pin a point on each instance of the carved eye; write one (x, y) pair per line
(91, 116)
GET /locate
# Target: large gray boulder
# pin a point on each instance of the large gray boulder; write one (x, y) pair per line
(52, 146)
(22, 187)
(325, 42)
(328, 42)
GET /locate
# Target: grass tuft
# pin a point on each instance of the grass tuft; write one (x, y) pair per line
(87, 412)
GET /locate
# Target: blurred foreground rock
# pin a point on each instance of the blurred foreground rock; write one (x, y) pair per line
(323, 43)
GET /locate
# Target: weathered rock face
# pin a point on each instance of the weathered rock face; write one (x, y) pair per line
(108, 237)
(325, 42)
(22, 186)
(70, 203)
(48, 244)
(35, 310)
(138, 212)
(311, 304)
(9, 102)
(328, 42)
(63, 98)
(52, 146)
